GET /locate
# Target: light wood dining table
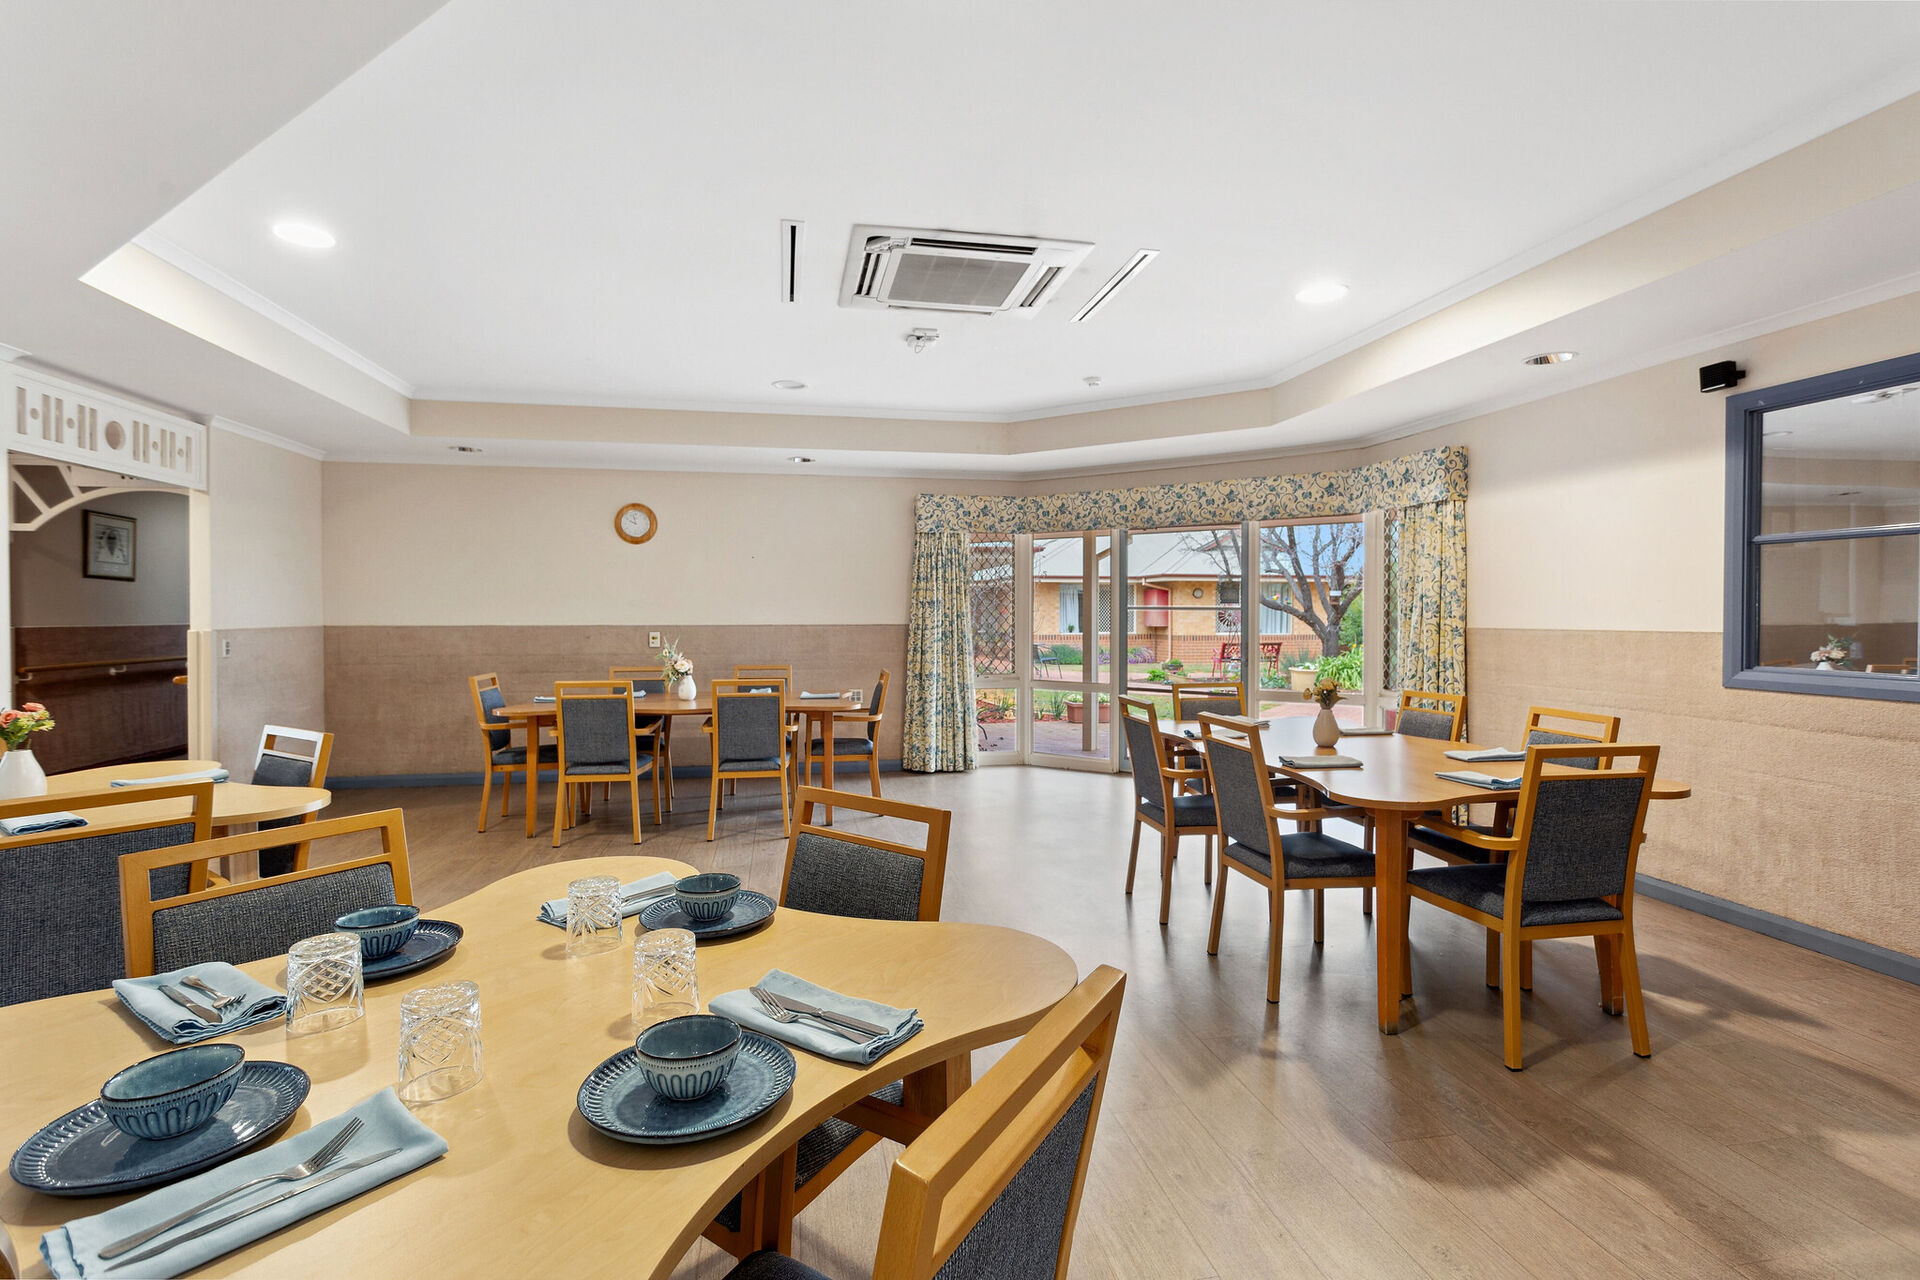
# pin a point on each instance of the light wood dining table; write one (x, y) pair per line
(234, 803)
(1396, 784)
(528, 1187)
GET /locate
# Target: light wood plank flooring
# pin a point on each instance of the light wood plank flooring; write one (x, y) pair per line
(1775, 1131)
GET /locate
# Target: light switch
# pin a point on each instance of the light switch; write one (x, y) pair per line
(226, 648)
(653, 639)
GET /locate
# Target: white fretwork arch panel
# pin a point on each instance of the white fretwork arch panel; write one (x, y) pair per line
(61, 420)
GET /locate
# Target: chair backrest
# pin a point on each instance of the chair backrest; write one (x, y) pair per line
(837, 872)
(649, 680)
(1146, 750)
(1446, 722)
(782, 671)
(1580, 836)
(254, 919)
(593, 723)
(61, 889)
(487, 701)
(749, 725)
(1237, 774)
(1191, 701)
(878, 707)
(1575, 727)
(991, 1189)
(289, 758)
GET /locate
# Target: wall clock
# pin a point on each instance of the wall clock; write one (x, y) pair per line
(635, 522)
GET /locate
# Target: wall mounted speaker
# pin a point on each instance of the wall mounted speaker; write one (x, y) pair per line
(1720, 377)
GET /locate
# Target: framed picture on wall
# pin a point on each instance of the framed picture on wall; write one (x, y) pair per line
(107, 546)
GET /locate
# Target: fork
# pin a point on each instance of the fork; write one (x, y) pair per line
(221, 1000)
(305, 1169)
(780, 1013)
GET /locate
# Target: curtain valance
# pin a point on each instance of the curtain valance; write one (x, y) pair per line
(1436, 475)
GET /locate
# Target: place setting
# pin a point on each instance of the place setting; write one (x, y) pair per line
(199, 1002)
(395, 939)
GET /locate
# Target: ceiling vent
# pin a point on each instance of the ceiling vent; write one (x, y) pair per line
(955, 270)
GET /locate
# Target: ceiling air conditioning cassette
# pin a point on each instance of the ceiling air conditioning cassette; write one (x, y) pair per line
(955, 270)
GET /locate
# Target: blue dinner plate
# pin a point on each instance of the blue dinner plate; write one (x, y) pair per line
(81, 1154)
(432, 940)
(750, 911)
(617, 1100)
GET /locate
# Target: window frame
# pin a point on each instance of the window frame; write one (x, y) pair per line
(1740, 631)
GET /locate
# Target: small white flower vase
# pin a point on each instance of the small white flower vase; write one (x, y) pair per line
(21, 776)
(685, 690)
(1326, 730)
(1823, 666)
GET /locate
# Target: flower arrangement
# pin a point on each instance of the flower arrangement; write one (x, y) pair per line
(17, 723)
(677, 665)
(1836, 651)
(1325, 691)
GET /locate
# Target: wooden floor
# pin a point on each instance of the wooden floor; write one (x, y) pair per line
(1775, 1131)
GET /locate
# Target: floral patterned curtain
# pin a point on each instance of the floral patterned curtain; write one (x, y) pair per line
(938, 723)
(1427, 597)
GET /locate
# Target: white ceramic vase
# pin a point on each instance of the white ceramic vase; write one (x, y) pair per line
(1326, 730)
(685, 690)
(21, 775)
(1823, 666)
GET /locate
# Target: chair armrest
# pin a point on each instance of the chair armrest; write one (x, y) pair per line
(1468, 835)
(1181, 775)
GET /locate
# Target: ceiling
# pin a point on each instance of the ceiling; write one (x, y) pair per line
(579, 205)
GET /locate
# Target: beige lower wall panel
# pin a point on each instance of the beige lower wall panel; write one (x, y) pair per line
(272, 676)
(1802, 806)
(398, 699)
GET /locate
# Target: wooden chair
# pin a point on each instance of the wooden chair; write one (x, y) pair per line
(497, 734)
(652, 736)
(1191, 701)
(1446, 721)
(61, 889)
(1892, 668)
(255, 919)
(770, 670)
(289, 758)
(854, 748)
(1251, 842)
(593, 720)
(833, 872)
(1159, 801)
(748, 736)
(968, 1197)
(1568, 873)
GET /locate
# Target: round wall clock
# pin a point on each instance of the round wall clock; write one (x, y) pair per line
(635, 522)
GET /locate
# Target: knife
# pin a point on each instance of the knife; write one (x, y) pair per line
(234, 1217)
(815, 1011)
(191, 1005)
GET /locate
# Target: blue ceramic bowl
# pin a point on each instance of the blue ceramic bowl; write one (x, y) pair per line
(707, 896)
(381, 930)
(687, 1058)
(175, 1093)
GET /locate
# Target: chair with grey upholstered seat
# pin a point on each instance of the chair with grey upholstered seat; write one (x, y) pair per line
(1191, 701)
(1160, 799)
(865, 748)
(834, 871)
(1251, 842)
(1568, 872)
(990, 1190)
(749, 737)
(593, 720)
(60, 925)
(496, 733)
(254, 919)
(289, 758)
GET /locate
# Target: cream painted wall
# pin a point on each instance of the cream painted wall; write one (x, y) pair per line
(264, 535)
(49, 590)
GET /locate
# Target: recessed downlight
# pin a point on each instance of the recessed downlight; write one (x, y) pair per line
(466, 448)
(1552, 357)
(790, 384)
(304, 234)
(799, 457)
(1320, 292)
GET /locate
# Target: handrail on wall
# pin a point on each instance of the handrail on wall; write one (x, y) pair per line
(114, 666)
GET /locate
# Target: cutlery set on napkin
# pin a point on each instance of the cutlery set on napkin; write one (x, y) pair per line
(819, 1020)
(641, 893)
(1486, 780)
(1319, 762)
(198, 775)
(199, 1002)
(1491, 755)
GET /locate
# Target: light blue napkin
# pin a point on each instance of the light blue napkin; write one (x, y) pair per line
(554, 910)
(1491, 755)
(37, 822)
(807, 1034)
(1486, 780)
(73, 1250)
(822, 695)
(545, 697)
(176, 1024)
(198, 775)
(1320, 762)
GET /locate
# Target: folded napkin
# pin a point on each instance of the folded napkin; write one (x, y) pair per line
(1320, 762)
(805, 694)
(1363, 731)
(73, 1250)
(545, 697)
(176, 1024)
(198, 775)
(639, 693)
(554, 910)
(808, 1034)
(1486, 780)
(40, 822)
(1490, 756)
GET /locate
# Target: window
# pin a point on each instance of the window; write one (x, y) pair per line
(1823, 535)
(1070, 607)
(1274, 622)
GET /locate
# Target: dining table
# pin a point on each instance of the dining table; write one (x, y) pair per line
(528, 1186)
(816, 714)
(234, 803)
(1396, 784)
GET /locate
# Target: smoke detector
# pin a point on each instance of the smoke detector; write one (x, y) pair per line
(919, 340)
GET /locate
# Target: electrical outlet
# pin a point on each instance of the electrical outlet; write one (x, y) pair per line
(226, 648)
(653, 639)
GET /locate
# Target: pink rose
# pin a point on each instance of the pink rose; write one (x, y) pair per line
(9, 716)
(32, 706)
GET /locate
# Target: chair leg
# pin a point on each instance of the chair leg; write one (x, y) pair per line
(506, 791)
(633, 790)
(1526, 966)
(1276, 929)
(1219, 903)
(1510, 998)
(486, 796)
(656, 790)
(1169, 849)
(1319, 917)
(1629, 977)
(873, 769)
(1133, 854)
(562, 804)
(786, 806)
(1366, 901)
(1206, 861)
(713, 803)
(1603, 958)
(1493, 958)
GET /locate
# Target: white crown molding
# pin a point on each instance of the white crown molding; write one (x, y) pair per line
(268, 437)
(10, 354)
(575, 401)
(219, 281)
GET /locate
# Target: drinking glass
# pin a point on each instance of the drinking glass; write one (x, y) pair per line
(439, 1041)
(665, 981)
(323, 983)
(593, 915)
